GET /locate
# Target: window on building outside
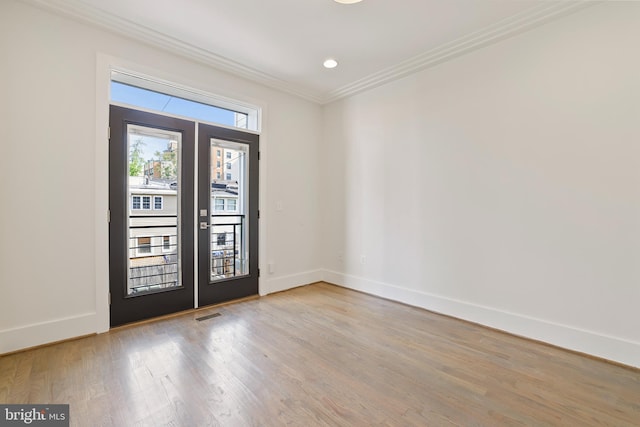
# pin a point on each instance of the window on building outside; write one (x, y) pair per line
(228, 176)
(231, 204)
(166, 243)
(146, 202)
(228, 165)
(157, 202)
(135, 202)
(144, 245)
(219, 153)
(219, 206)
(228, 154)
(217, 175)
(218, 163)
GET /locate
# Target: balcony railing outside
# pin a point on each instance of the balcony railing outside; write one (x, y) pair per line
(153, 261)
(227, 246)
(153, 254)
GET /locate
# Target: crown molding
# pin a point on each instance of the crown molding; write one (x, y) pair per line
(88, 14)
(506, 28)
(509, 27)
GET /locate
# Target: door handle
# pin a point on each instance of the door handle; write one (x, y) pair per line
(204, 226)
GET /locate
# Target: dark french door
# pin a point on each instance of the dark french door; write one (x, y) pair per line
(152, 227)
(228, 214)
(151, 250)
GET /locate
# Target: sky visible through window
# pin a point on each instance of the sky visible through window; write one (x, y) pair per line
(150, 146)
(156, 101)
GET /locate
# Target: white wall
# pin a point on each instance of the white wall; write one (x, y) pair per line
(502, 187)
(53, 241)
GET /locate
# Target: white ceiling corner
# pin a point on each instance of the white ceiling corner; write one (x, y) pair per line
(509, 27)
(269, 51)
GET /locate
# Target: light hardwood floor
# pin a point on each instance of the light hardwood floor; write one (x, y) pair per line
(320, 355)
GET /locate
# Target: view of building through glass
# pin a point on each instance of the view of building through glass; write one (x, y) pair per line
(229, 233)
(153, 196)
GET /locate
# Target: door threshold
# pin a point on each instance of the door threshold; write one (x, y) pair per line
(183, 313)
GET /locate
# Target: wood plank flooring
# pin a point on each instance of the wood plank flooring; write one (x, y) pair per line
(320, 355)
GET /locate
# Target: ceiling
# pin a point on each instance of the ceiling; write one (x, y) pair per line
(282, 43)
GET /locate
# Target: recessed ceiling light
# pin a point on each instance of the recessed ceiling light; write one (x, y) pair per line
(348, 1)
(330, 63)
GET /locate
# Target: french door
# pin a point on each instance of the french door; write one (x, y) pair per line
(152, 227)
(228, 214)
(151, 186)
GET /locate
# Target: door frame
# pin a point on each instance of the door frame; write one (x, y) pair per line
(155, 70)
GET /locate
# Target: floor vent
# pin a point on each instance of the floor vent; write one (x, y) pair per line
(200, 319)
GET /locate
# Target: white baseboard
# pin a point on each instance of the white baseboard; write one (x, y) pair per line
(592, 343)
(46, 332)
(27, 336)
(283, 283)
(599, 345)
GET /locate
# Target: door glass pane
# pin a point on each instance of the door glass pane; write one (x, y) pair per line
(229, 208)
(153, 194)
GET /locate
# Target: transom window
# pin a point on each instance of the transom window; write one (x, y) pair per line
(138, 91)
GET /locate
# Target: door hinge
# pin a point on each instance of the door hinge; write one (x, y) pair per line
(258, 155)
(109, 133)
(258, 213)
(258, 272)
(109, 298)
(109, 216)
